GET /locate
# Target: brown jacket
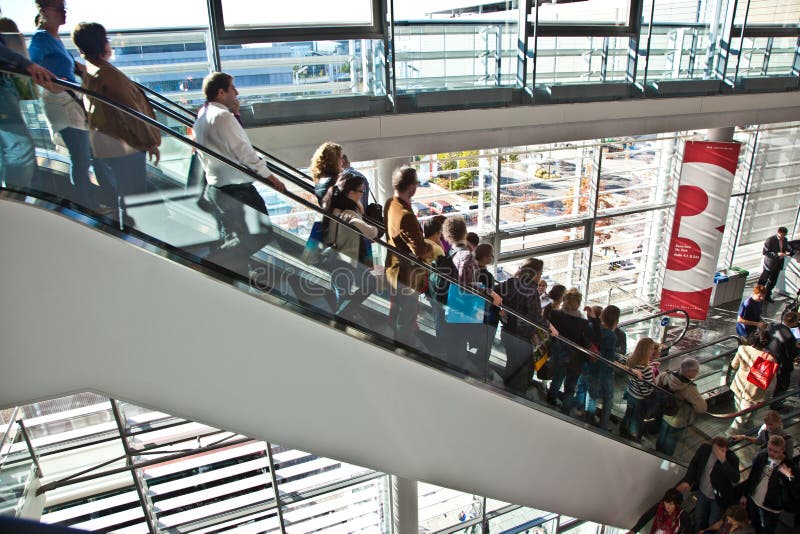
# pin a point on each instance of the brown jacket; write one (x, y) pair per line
(403, 231)
(108, 125)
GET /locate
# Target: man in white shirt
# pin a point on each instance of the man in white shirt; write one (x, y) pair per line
(229, 189)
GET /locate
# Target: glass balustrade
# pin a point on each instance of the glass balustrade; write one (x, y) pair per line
(272, 255)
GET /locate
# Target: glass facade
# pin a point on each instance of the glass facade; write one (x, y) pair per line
(599, 213)
(311, 50)
(191, 477)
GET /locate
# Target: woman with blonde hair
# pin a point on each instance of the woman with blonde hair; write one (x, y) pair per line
(747, 394)
(326, 164)
(639, 389)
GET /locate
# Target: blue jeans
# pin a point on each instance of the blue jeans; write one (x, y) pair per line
(668, 438)
(17, 156)
(80, 154)
(403, 316)
(605, 393)
(634, 416)
(580, 391)
(706, 512)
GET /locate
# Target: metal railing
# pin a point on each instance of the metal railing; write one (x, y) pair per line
(662, 314)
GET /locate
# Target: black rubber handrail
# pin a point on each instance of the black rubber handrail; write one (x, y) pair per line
(312, 207)
(701, 347)
(766, 402)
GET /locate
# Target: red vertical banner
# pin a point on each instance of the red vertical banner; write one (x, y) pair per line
(701, 209)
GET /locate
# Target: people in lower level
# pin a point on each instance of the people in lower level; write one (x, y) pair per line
(749, 317)
(745, 393)
(712, 474)
(667, 515)
(773, 426)
(772, 486)
(775, 249)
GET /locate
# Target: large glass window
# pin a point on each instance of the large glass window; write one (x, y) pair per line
(299, 13)
(544, 183)
(454, 55)
(680, 40)
(637, 172)
(283, 71)
(146, 14)
(593, 12)
(768, 13)
(579, 59)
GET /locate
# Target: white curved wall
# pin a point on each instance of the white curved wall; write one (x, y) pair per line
(82, 310)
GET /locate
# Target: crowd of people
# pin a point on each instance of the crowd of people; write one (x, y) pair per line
(765, 501)
(583, 348)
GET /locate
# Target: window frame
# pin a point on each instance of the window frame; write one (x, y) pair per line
(226, 36)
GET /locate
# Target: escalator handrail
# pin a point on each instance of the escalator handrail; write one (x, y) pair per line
(765, 402)
(302, 180)
(700, 347)
(660, 314)
(302, 201)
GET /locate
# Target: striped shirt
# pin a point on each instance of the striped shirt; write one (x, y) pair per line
(641, 388)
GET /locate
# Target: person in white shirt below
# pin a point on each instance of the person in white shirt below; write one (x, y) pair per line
(771, 487)
(229, 190)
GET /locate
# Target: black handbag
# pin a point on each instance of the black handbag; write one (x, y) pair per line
(374, 215)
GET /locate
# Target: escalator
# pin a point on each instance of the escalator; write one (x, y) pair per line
(144, 307)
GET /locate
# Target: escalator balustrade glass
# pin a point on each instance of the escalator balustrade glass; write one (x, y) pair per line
(264, 242)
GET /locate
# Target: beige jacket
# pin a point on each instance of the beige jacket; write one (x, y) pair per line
(344, 239)
(684, 389)
(742, 362)
(114, 133)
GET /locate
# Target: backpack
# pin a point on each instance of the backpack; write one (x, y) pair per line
(664, 403)
(439, 285)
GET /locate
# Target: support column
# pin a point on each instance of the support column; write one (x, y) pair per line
(720, 135)
(405, 506)
(383, 177)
